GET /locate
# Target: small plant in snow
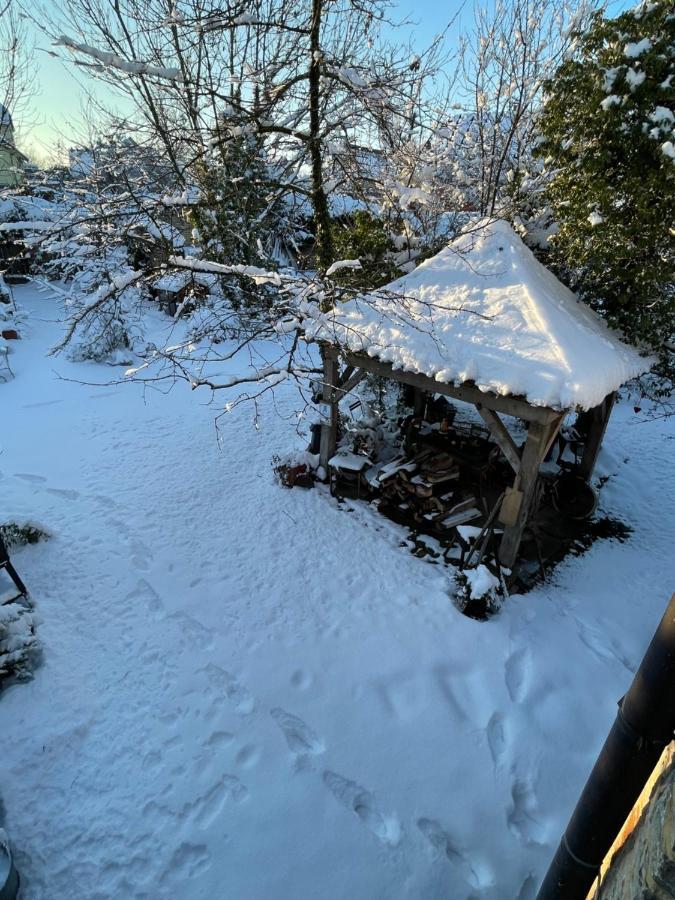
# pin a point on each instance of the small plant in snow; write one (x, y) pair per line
(14, 534)
(295, 469)
(18, 642)
(478, 592)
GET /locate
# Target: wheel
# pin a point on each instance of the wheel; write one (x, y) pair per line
(574, 497)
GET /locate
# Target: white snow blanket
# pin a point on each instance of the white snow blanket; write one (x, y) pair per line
(252, 693)
(485, 310)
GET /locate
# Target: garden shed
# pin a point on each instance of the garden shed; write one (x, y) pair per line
(483, 322)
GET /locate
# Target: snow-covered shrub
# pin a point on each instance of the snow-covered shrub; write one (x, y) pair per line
(15, 534)
(18, 642)
(478, 592)
(295, 469)
(110, 321)
(365, 238)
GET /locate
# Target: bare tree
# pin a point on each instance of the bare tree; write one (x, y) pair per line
(510, 51)
(18, 81)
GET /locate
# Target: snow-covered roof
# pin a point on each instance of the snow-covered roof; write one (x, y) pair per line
(485, 310)
(176, 281)
(172, 281)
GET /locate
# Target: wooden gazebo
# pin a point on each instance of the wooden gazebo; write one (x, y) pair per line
(485, 323)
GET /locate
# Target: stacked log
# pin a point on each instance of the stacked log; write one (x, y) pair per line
(425, 491)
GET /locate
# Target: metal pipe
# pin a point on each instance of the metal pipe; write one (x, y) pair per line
(644, 725)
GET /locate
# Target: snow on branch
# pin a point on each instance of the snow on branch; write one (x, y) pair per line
(343, 264)
(256, 274)
(117, 284)
(112, 61)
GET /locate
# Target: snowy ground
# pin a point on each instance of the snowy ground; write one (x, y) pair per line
(250, 693)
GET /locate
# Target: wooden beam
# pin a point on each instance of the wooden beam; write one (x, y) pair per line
(501, 435)
(329, 427)
(420, 404)
(525, 484)
(554, 433)
(512, 406)
(597, 419)
(346, 373)
(350, 383)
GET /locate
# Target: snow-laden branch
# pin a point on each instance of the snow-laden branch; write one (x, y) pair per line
(112, 61)
(256, 274)
(343, 264)
(106, 292)
(29, 226)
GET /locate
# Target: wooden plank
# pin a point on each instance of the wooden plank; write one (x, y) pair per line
(512, 406)
(599, 417)
(526, 482)
(555, 428)
(419, 404)
(329, 427)
(346, 373)
(501, 435)
(513, 498)
(350, 383)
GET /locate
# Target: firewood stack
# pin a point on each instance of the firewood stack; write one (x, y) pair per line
(424, 490)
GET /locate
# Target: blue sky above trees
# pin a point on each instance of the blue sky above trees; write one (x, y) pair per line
(59, 106)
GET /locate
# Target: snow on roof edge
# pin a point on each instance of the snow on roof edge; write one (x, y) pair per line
(485, 311)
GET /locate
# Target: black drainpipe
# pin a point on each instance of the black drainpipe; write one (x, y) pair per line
(643, 726)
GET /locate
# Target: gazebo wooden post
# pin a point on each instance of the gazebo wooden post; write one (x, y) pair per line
(419, 403)
(539, 439)
(329, 424)
(598, 417)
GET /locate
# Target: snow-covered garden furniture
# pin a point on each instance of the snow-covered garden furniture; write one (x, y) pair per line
(486, 323)
(174, 288)
(6, 565)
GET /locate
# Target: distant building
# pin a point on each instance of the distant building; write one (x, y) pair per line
(12, 161)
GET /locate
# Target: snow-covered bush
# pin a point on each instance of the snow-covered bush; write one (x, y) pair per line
(18, 642)
(365, 238)
(19, 645)
(478, 592)
(15, 534)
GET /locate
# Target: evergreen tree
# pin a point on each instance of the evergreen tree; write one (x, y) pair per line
(608, 140)
(240, 214)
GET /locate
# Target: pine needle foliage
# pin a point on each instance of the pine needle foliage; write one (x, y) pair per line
(608, 139)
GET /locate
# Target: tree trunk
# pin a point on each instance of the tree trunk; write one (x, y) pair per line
(324, 244)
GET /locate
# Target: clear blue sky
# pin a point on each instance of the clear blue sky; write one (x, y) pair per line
(58, 104)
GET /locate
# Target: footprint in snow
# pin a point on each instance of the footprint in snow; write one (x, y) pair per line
(360, 801)
(301, 679)
(243, 701)
(521, 814)
(516, 674)
(604, 647)
(65, 493)
(496, 738)
(145, 594)
(34, 479)
(528, 889)
(187, 861)
(208, 807)
(444, 845)
(299, 736)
